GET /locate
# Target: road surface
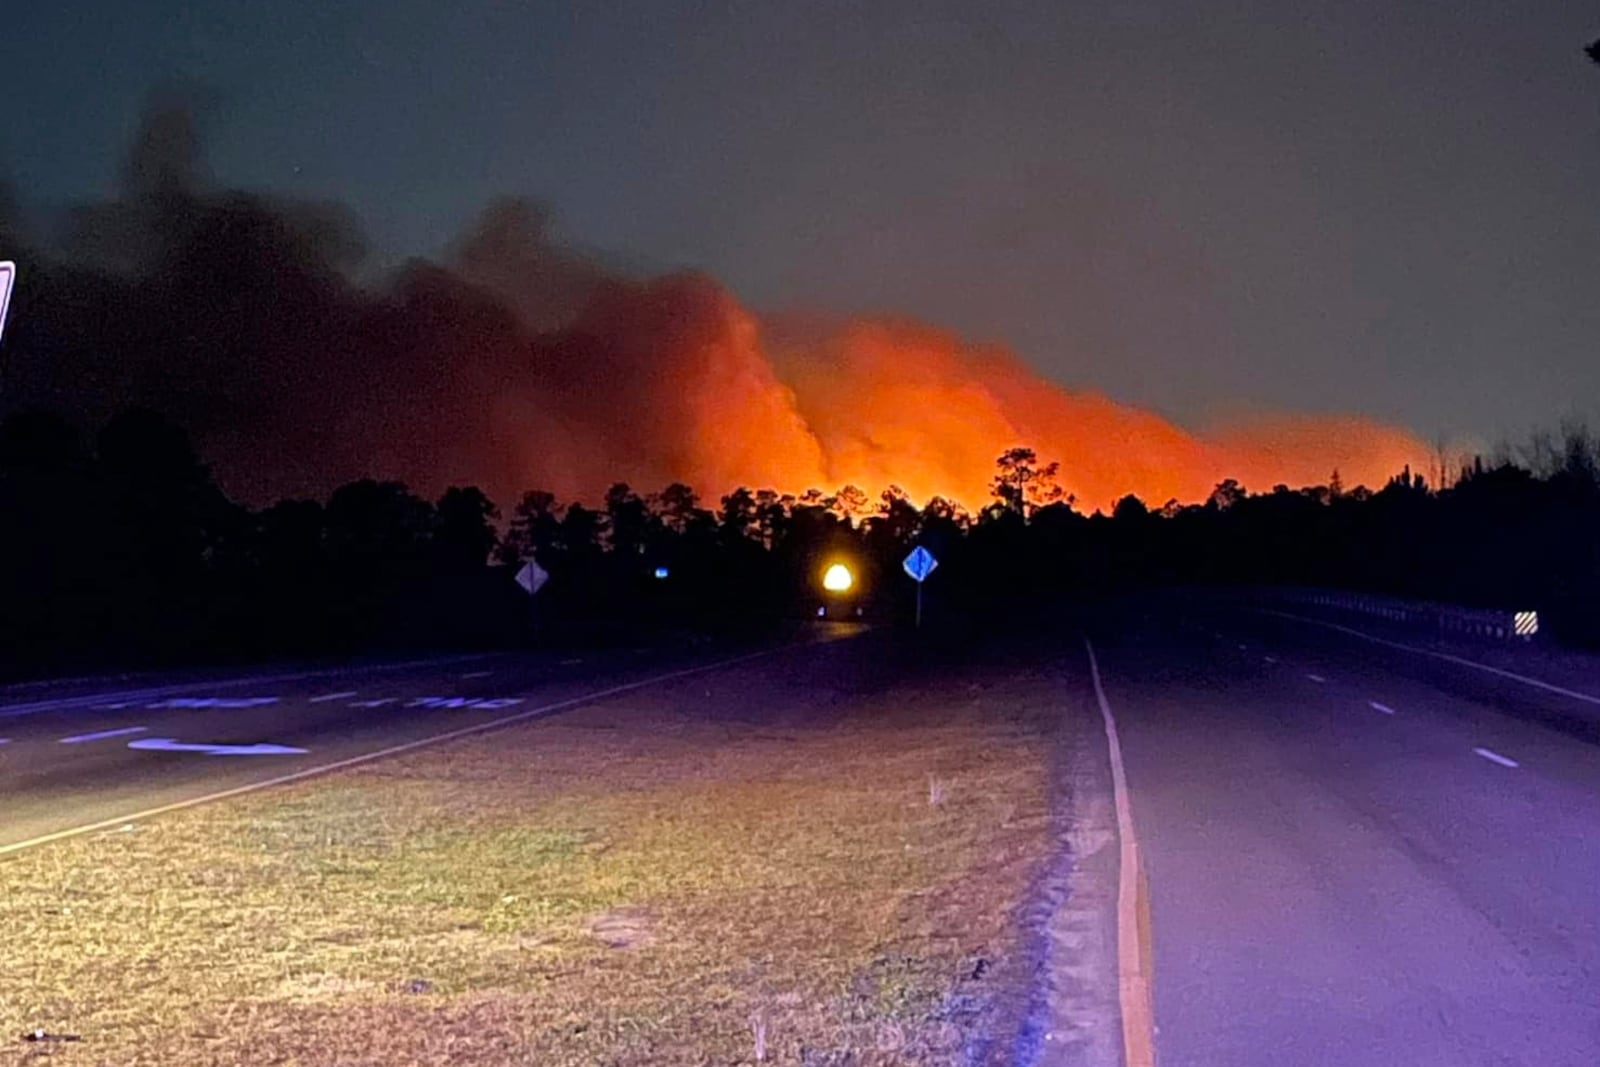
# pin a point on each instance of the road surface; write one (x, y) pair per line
(1357, 855)
(81, 752)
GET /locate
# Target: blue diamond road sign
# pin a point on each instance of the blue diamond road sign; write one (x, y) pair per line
(920, 563)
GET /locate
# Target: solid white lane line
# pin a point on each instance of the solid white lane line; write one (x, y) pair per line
(103, 734)
(324, 698)
(1316, 677)
(1495, 757)
(1386, 709)
(477, 674)
(392, 750)
(1133, 979)
(1588, 698)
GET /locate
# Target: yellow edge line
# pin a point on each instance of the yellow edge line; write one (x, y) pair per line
(1134, 970)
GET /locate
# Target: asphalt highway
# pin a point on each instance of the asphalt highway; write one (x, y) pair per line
(85, 752)
(1358, 854)
(1358, 851)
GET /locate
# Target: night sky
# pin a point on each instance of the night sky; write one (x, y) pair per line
(1372, 207)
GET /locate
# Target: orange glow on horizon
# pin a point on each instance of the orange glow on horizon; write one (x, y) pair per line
(686, 384)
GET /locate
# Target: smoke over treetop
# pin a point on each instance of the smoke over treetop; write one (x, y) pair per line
(910, 404)
(523, 363)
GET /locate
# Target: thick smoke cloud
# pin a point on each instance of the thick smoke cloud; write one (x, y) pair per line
(518, 362)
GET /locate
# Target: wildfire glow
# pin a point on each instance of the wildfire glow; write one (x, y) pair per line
(673, 380)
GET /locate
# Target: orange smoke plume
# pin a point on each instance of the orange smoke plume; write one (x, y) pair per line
(523, 363)
(674, 380)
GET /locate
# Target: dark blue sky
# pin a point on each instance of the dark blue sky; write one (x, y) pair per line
(1380, 207)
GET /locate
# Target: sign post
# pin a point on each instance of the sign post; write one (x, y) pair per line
(532, 578)
(919, 565)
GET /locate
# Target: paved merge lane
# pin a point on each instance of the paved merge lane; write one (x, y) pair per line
(1357, 856)
(87, 754)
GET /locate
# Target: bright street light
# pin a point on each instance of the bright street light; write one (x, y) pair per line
(838, 579)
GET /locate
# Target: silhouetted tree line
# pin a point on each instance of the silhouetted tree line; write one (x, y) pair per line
(121, 549)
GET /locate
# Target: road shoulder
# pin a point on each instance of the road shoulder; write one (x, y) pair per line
(1074, 1018)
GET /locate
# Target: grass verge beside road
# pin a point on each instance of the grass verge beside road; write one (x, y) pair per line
(699, 873)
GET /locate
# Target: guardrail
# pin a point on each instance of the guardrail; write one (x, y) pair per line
(1441, 618)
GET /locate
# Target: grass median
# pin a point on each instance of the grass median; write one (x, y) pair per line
(681, 875)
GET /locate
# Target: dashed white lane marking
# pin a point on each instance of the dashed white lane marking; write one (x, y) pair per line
(477, 674)
(172, 744)
(5, 740)
(1495, 757)
(78, 739)
(385, 753)
(1133, 975)
(1316, 677)
(1270, 659)
(380, 702)
(1243, 647)
(325, 697)
(131, 696)
(1386, 709)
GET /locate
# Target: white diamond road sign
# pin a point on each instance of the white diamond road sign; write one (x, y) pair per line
(8, 276)
(920, 564)
(532, 577)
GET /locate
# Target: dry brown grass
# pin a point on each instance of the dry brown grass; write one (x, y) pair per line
(628, 884)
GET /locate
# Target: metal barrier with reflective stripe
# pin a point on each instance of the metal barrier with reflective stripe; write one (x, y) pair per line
(1497, 625)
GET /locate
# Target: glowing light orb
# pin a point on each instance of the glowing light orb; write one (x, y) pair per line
(662, 572)
(837, 578)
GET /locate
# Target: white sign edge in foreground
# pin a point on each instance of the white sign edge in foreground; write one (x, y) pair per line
(8, 278)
